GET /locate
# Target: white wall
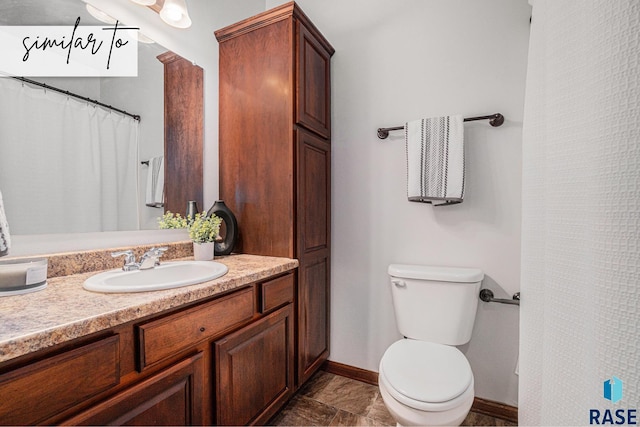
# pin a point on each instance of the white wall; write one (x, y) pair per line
(402, 60)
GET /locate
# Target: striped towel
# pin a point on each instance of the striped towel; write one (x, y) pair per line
(5, 239)
(435, 160)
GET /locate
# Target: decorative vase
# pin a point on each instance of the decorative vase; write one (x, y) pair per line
(221, 210)
(203, 251)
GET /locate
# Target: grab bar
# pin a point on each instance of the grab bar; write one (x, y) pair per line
(486, 295)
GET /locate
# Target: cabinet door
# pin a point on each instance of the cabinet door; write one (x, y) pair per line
(313, 317)
(172, 397)
(254, 370)
(313, 95)
(313, 194)
(314, 219)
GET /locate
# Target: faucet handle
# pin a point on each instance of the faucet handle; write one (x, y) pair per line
(130, 258)
(159, 251)
(151, 258)
(156, 252)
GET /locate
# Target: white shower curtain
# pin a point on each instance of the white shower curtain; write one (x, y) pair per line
(65, 165)
(581, 211)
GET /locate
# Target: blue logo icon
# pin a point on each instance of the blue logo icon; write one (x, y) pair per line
(613, 389)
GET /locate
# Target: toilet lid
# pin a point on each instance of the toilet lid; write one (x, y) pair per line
(425, 371)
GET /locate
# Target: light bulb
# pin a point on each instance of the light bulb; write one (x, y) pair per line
(174, 13)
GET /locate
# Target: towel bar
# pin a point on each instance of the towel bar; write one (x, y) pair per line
(495, 120)
(486, 295)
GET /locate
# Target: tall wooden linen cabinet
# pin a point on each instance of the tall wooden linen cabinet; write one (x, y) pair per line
(275, 156)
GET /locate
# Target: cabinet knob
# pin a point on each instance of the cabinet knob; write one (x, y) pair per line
(202, 329)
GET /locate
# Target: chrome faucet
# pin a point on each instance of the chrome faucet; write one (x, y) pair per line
(150, 259)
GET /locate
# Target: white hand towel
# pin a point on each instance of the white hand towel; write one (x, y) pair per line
(5, 239)
(435, 160)
(155, 183)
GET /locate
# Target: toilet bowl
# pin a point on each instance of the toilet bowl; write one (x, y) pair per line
(426, 384)
(424, 379)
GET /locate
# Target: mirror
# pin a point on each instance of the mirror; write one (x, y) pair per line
(142, 95)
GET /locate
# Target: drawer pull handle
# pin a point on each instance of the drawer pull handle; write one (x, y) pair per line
(202, 329)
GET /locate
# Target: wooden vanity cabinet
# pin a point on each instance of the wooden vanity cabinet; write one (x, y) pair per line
(227, 360)
(275, 161)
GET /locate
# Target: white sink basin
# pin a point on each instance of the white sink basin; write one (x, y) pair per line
(165, 276)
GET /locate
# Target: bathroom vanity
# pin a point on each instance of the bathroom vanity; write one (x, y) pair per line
(233, 350)
(220, 352)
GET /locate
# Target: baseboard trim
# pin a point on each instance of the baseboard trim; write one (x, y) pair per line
(480, 405)
(352, 372)
(495, 409)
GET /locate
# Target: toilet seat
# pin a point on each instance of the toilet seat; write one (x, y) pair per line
(426, 376)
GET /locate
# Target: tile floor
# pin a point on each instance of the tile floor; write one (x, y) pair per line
(333, 400)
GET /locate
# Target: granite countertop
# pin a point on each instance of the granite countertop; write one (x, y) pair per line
(65, 310)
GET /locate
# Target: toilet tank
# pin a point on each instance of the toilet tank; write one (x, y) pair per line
(435, 304)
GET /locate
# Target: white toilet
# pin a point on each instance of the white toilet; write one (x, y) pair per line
(424, 379)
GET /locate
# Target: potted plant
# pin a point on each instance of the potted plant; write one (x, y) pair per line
(203, 231)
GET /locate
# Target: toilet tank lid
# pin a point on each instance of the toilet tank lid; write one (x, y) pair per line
(442, 274)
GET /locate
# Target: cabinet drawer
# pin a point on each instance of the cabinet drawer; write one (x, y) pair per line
(36, 392)
(277, 292)
(165, 337)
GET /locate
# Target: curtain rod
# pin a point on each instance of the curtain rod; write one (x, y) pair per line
(83, 98)
(495, 120)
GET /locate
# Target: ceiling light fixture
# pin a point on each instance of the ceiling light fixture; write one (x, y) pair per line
(103, 17)
(174, 13)
(100, 15)
(144, 39)
(145, 2)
